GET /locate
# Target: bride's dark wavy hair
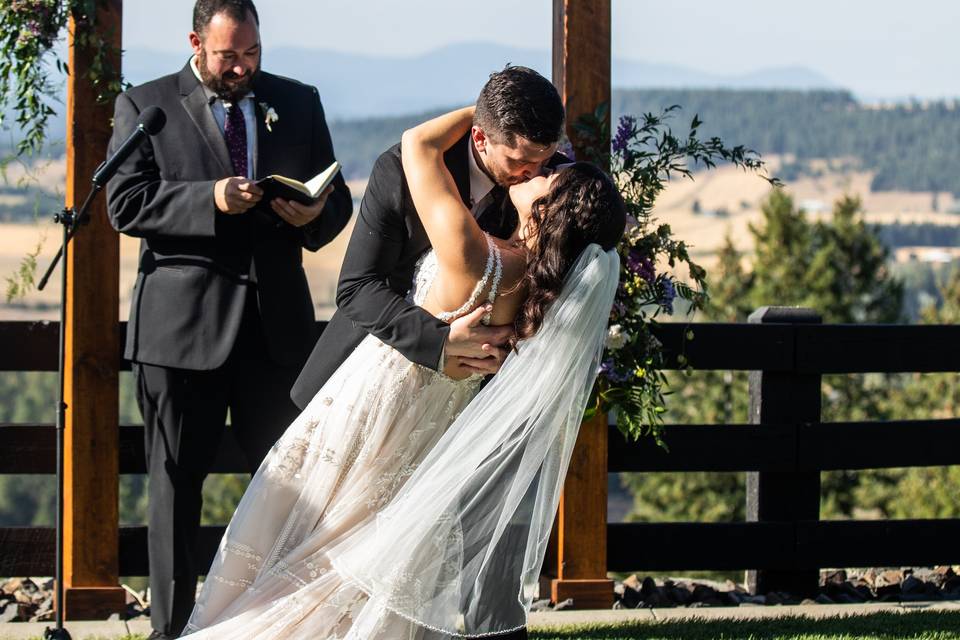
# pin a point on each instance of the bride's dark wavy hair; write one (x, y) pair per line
(582, 207)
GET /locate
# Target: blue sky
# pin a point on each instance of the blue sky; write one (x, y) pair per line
(878, 48)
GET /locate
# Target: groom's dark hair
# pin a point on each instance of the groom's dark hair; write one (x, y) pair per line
(518, 101)
(204, 10)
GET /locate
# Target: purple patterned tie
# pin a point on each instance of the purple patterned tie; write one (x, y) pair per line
(235, 135)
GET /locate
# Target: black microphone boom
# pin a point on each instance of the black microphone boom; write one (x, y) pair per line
(149, 123)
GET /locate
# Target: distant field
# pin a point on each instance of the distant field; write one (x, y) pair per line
(16, 240)
(728, 201)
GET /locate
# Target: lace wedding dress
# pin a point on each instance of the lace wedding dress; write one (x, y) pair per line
(390, 509)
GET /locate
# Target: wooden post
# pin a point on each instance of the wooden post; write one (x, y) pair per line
(777, 398)
(91, 460)
(578, 564)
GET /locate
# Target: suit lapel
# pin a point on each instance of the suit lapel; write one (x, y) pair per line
(266, 149)
(195, 103)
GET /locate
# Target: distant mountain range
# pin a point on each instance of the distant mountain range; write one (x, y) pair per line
(356, 86)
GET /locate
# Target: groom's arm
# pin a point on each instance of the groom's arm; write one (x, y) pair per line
(363, 294)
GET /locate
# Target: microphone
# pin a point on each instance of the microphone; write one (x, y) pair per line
(149, 123)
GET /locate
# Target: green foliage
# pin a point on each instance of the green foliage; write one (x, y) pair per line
(839, 269)
(909, 146)
(887, 625)
(642, 157)
(28, 31)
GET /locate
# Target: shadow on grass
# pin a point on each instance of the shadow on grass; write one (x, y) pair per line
(918, 625)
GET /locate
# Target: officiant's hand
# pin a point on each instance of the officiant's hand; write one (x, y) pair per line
(300, 214)
(236, 195)
(473, 346)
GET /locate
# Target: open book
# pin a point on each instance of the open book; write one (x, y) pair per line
(302, 192)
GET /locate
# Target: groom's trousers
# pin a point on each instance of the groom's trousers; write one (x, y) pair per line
(184, 415)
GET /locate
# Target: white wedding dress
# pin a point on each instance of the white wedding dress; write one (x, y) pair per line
(381, 515)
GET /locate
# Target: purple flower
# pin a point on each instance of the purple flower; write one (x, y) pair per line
(624, 133)
(609, 370)
(641, 265)
(619, 310)
(667, 296)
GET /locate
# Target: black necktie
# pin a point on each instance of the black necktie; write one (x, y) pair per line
(494, 218)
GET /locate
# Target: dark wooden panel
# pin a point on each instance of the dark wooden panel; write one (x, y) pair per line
(728, 346)
(879, 543)
(781, 545)
(879, 445)
(683, 546)
(858, 348)
(737, 447)
(29, 551)
(31, 449)
(32, 346)
(29, 346)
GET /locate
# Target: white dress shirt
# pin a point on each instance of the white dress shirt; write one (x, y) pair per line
(247, 106)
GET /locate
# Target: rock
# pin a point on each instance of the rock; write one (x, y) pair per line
(808, 601)
(912, 586)
(9, 611)
(566, 604)
(633, 582)
(885, 592)
(888, 578)
(648, 588)
(707, 595)
(678, 595)
(11, 586)
(631, 598)
(834, 577)
(952, 585)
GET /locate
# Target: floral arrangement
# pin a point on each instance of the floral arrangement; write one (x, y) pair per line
(28, 31)
(642, 157)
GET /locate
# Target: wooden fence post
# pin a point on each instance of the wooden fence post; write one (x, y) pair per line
(578, 562)
(91, 461)
(778, 398)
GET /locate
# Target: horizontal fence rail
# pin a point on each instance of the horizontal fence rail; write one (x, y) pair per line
(31, 448)
(32, 346)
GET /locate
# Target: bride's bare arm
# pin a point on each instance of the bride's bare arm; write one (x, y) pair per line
(457, 239)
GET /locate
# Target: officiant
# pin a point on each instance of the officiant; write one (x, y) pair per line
(221, 318)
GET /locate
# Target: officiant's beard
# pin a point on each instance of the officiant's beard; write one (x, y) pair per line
(228, 86)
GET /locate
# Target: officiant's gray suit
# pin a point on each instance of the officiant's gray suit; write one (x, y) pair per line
(220, 315)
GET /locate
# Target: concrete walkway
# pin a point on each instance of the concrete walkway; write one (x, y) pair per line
(106, 630)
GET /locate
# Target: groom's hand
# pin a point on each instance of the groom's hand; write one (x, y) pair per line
(475, 347)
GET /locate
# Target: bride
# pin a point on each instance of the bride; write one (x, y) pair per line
(401, 503)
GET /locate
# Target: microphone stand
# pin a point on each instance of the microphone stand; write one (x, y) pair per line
(70, 220)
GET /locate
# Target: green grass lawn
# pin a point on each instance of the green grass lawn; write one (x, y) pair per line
(920, 625)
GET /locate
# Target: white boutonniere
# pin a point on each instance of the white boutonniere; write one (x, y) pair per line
(270, 115)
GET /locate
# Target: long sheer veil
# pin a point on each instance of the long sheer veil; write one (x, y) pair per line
(459, 549)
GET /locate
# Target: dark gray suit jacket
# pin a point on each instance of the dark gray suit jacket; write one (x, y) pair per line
(198, 266)
(378, 268)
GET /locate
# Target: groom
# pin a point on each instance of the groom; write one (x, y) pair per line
(518, 123)
(517, 126)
